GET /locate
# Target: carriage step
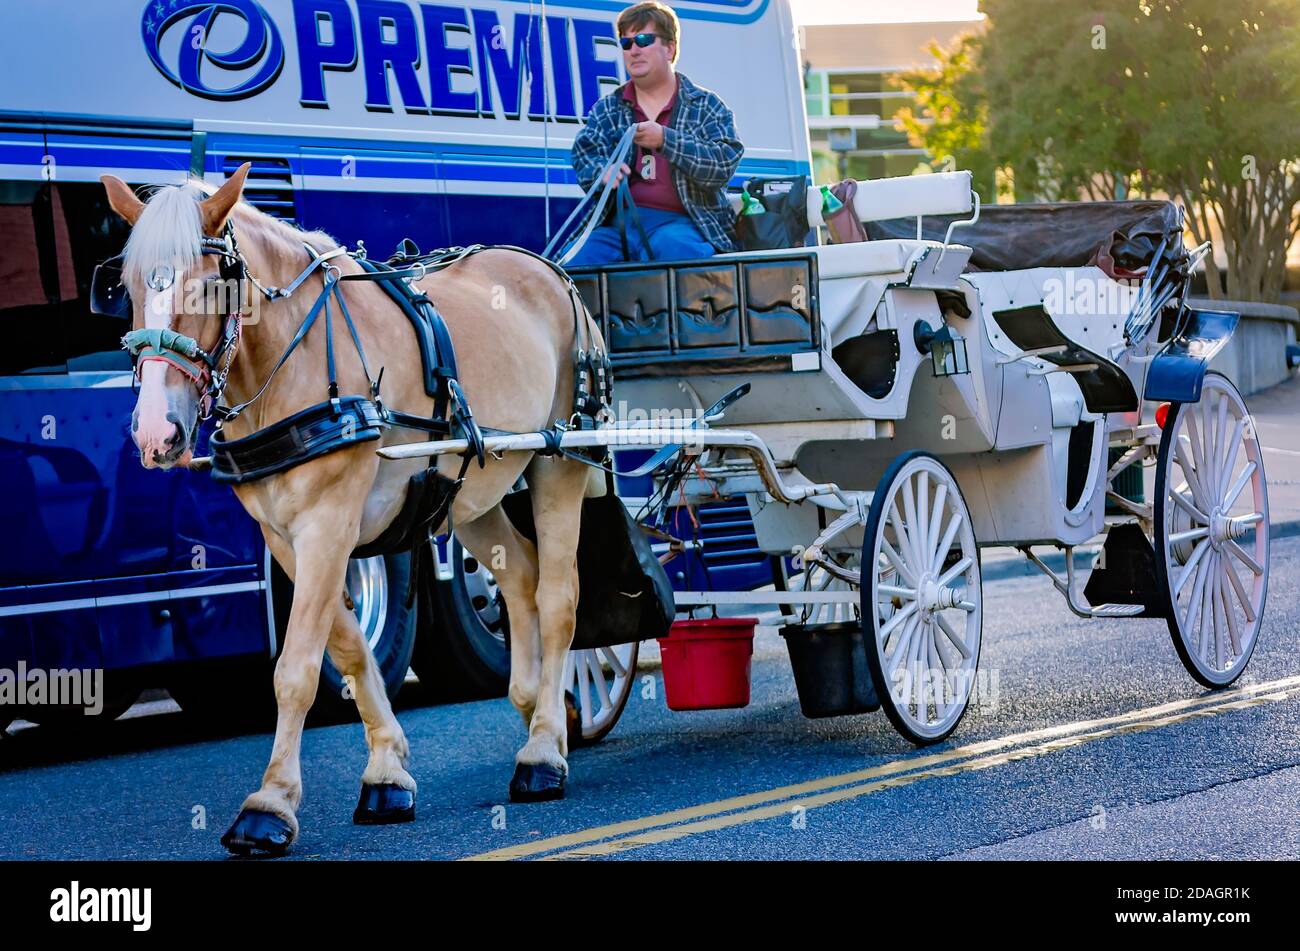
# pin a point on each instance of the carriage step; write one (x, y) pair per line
(1116, 610)
(1067, 587)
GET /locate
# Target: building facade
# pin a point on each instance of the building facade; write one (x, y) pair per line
(852, 99)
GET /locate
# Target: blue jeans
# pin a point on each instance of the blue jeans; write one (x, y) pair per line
(673, 237)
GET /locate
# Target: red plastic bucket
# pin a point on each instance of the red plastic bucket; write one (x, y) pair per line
(706, 663)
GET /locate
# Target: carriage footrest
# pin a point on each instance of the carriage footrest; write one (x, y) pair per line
(1116, 610)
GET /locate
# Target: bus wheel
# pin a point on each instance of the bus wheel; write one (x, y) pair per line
(242, 695)
(378, 588)
(463, 652)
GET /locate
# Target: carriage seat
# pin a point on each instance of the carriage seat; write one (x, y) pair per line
(862, 259)
(903, 196)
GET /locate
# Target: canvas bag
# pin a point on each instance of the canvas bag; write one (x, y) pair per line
(624, 594)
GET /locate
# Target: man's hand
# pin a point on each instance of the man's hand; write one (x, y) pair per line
(618, 175)
(649, 135)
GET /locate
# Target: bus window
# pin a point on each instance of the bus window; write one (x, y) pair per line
(94, 234)
(53, 236)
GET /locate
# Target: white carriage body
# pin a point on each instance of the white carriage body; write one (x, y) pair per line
(1004, 428)
(908, 469)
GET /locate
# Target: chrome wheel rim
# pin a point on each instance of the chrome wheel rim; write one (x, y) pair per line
(484, 595)
(367, 583)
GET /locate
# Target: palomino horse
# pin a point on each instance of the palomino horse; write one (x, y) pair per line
(512, 320)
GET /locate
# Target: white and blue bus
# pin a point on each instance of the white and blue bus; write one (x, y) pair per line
(374, 120)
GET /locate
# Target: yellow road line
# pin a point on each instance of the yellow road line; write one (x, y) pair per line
(671, 833)
(891, 768)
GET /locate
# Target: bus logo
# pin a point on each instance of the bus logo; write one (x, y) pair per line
(183, 28)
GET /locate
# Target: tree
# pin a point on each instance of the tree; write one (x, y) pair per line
(1196, 99)
(951, 117)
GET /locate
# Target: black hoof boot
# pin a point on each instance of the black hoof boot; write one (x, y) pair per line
(536, 782)
(384, 804)
(258, 832)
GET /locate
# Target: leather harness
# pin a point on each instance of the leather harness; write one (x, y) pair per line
(342, 421)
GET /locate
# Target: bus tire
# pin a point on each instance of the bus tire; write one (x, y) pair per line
(378, 588)
(242, 694)
(463, 651)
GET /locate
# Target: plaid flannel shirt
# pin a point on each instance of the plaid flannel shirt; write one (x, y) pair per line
(700, 144)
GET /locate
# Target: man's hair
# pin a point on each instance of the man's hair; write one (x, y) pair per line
(660, 16)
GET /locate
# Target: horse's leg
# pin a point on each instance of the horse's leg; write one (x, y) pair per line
(267, 821)
(495, 542)
(387, 789)
(558, 486)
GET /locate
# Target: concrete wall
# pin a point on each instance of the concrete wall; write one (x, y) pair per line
(1255, 357)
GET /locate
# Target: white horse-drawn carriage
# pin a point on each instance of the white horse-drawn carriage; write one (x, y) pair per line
(911, 399)
(892, 405)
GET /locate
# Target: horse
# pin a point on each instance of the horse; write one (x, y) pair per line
(513, 321)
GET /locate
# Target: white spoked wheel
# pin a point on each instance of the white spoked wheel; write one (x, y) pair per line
(922, 602)
(1211, 532)
(600, 681)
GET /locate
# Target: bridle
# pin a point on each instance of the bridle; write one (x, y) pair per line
(209, 370)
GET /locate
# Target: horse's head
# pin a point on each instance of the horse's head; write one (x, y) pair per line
(181, 307)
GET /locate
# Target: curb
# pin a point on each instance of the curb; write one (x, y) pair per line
(1017, 566)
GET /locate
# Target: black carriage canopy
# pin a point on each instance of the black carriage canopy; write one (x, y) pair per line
(1058, 234)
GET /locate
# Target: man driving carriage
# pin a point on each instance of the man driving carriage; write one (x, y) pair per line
(685, 151)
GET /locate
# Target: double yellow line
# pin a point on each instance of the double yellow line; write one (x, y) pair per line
(754, 807)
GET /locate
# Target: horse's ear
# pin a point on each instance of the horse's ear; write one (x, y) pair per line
(121, 199)
(217, 208)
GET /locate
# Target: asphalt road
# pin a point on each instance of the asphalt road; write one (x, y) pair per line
(1095, 744)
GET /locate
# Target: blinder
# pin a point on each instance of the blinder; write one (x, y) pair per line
(208, 371)
(108, 294)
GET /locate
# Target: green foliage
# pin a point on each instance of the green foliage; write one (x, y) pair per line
(1195, 99)
(951, 115)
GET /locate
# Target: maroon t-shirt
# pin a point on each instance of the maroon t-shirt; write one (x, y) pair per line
(651, 182)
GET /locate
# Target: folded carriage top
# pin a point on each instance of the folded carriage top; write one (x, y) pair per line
(1062, 234)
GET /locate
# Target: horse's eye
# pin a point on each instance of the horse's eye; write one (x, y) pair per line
(161, 277)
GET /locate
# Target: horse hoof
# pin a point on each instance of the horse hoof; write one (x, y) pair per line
(260, 832)
(384, 804)
(536, 782)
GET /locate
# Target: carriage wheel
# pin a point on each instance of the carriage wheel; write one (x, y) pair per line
(1211, 527)
(922, 603)
(599, 681)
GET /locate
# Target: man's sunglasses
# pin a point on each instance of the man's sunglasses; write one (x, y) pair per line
(641, 39)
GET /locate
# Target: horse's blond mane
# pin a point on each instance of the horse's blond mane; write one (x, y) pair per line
(166, 233)
(170, 228)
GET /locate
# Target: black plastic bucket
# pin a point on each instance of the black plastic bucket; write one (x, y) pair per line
(830, 669)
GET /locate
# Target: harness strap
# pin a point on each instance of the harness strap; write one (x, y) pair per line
(172, 347)
(356, 340)
(229, 414)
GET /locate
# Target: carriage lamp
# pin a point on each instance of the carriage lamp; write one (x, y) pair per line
(947, 350)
